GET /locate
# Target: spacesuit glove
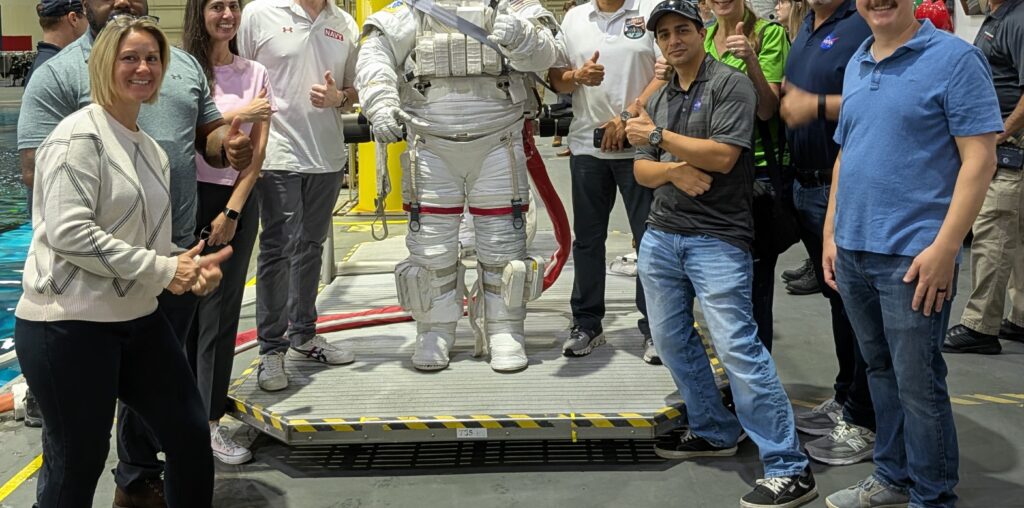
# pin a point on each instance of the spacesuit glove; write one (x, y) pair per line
(509, 31)
(385, 126)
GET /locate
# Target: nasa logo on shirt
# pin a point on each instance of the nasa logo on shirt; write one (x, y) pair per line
(634, 28)
(829, 41)
(696, 104)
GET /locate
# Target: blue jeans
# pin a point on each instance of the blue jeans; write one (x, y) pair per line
(851, 385)
(916, 445)
(676, 268)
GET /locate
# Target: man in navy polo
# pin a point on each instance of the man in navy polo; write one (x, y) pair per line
(918, 153)
(814, 72)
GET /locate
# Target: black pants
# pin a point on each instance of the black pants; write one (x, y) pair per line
(851, 386)
(78, 369)
(137, 445)
(211, 341)
(762, 295)
(594, 182)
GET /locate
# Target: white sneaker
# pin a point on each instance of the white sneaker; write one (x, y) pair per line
(431, 352)
(270, 375)
(508, 353)
(318, 349)
(226, 449)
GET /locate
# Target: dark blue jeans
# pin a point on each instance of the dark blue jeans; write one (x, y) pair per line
(916, 446)
(851, 385)
(594, 182)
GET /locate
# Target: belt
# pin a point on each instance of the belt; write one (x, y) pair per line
(814, 177)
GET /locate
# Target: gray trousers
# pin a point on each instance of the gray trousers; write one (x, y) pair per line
(211, 342)
(295, 209)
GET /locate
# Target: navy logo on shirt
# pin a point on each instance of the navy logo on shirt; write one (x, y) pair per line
(829, 41)
(287, 29)
(634, 27)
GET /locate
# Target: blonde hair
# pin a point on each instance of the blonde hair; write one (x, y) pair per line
(797, 13)
(104, 55)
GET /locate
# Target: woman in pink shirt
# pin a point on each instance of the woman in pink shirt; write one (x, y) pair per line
(225, 215)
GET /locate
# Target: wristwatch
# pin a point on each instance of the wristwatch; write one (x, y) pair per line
(625, 116)
(654, 138)
(230, 214)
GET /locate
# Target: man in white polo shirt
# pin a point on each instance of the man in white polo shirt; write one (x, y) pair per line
(600, 32)
(309, 50)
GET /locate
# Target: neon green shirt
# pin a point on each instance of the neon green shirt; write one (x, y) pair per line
(772, 57)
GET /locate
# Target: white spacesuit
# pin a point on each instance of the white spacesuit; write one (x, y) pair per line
(464, 104)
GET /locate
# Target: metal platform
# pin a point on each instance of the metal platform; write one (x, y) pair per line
(610, 394)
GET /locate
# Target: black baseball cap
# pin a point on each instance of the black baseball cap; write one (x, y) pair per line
(57, 8)
(684, 8)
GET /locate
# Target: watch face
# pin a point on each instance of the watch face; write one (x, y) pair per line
(625, 116)
(655, 137)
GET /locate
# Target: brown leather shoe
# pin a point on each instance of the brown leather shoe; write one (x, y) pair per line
(144, 493)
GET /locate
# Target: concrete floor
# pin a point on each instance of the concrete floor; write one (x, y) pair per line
(599, 474)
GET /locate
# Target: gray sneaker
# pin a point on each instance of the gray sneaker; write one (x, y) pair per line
(650, 352)
(318, 349)
(868, 493)
(581, 342)
(846, 444)
(821, 420)
(270, 375)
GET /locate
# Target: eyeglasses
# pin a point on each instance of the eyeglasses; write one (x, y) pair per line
(124, 19)
(204, 234)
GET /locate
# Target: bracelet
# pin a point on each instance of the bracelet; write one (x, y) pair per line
(821, 106)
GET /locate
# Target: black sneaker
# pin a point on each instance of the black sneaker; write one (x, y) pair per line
(1010, 331)
(687, 445)
(782, 492)
(806, 285)
(581, 342)
(33, 416)
(798, 272)
(960, 339)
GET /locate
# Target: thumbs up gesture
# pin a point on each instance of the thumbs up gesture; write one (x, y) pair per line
(639, 128)
(210, 274)
(591, 73)
(326, 95)
(257, 110)
(187, 273)
(739, 45)
(237, 146)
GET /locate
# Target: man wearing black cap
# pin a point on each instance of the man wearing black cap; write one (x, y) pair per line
(62, 21)
(694, 150)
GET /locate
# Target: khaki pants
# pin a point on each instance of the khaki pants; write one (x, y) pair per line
(997, 256)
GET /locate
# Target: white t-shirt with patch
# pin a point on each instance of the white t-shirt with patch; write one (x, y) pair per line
(628, 52)
(297, 51)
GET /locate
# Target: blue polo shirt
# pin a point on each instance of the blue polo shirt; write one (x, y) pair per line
(897, 126)
(817, 61)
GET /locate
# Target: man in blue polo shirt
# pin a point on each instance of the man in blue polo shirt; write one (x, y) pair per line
(814, 72)
(918, 152)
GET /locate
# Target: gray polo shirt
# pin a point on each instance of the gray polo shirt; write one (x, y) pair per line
(61, 87)
(720, 105)
(1001, 39)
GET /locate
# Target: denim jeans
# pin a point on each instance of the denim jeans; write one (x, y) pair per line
(594, 181)
(916, 446)
(676, 268)
(851, 384)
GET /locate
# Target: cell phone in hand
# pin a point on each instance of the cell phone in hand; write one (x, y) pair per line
(599, 138)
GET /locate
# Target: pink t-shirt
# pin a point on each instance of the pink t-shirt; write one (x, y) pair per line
(235, 85)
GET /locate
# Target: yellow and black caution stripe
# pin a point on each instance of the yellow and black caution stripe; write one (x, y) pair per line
(244, 376)
(978, 399)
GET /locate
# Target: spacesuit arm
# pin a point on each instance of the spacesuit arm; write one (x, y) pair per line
(389, 36)
(538, 50)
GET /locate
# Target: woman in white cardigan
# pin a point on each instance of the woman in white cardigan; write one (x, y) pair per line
(88, 328)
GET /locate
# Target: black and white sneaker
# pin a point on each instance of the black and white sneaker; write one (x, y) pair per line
(581, 342)
(782, 492)
(650, 352)
(687, 445)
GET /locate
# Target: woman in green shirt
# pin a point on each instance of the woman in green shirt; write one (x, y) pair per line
(758, 48)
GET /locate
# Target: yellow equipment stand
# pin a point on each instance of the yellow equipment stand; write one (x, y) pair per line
(366, 152)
